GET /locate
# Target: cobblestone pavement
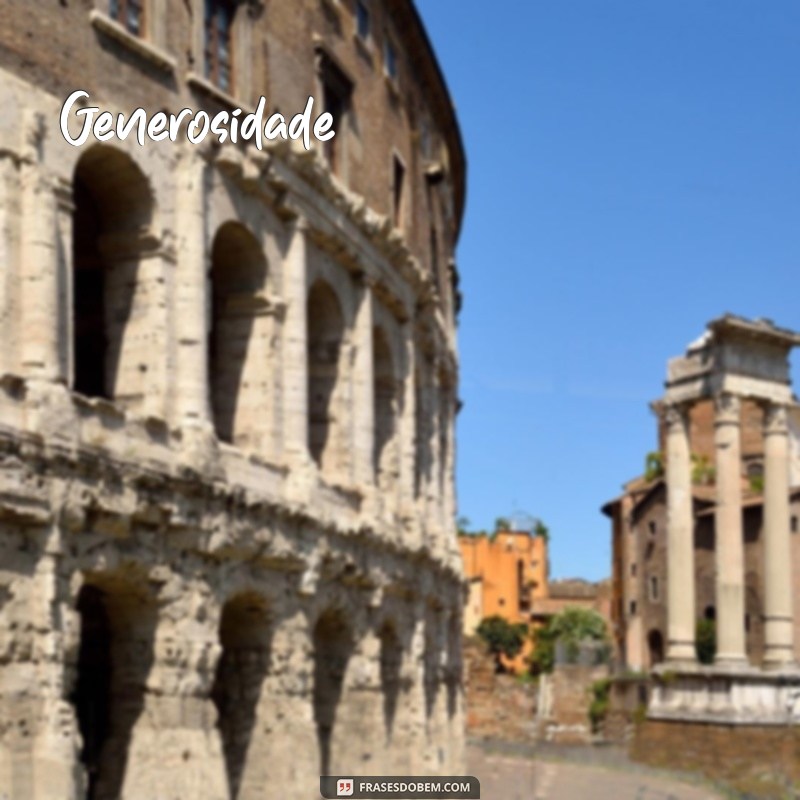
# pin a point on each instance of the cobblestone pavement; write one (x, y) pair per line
(550, 775)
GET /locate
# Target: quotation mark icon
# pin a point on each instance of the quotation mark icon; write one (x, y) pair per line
(344, 787)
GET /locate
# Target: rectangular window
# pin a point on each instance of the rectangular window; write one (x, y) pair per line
(652, 527)
(794, 524)
(218, 51)
(337, 90)
(633, 570)
(398, 179)
(362, 19)
(390, 58)
(632, 608)
(129, 14)
(653, 589)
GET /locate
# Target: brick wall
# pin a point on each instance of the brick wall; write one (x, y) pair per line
(758, 760)
(497, 706)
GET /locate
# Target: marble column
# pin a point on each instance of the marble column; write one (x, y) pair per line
(191, 391)
(731, 648)
(295, 347)
(363, 418)
(680, 541)
(778, 614)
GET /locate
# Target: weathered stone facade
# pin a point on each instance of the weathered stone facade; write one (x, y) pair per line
(229, 557)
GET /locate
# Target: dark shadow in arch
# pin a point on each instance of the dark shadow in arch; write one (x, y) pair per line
(245, 634)
(325, 336)
(113, 207)
(333, 646)
(118, 622)
(238, 274)
(391, 662)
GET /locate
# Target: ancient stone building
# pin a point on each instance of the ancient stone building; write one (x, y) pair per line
(639, 533)
(229, 558)
(719, 540)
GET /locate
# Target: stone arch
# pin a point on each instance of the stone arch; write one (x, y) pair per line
(386, 393)
(326, 332)
(115, 656)
(245, 634)
(333, 643)
(238, 276)
(114, 209)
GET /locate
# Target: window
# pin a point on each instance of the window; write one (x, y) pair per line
(128, 13)
(398, 179)
(336, 93)
(362, 19)
(653, 589)
(794, 524)
(651, 526)
(633, 570)
(390, 58)
(632, 608)
(218, 24)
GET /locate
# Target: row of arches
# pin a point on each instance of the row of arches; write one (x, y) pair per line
(115, 349)
(118, 622)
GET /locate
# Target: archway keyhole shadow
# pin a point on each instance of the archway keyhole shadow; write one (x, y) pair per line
(333, 647)
(245, 634)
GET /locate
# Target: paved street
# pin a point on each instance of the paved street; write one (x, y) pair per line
(515, 776)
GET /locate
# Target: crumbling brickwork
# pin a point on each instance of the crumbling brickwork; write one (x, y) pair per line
(227, 394)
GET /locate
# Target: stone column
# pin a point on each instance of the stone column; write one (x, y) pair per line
(363, 418)
(39, 285)
(778, 615)
(407, 425)
(295, 348)
(731, 648)
(191, 391)
(680, 541)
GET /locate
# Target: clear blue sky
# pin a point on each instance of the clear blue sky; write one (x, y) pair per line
(634, 171)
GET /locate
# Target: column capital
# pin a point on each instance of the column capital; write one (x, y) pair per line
(727, 409)
(676, 416)
(776, 419)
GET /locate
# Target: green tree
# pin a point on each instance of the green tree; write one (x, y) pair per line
(541, 530)
(572, 626)
(502, 524)
(502, 638)
(653, 465)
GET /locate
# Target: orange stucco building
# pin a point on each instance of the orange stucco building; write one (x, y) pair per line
(507, 573)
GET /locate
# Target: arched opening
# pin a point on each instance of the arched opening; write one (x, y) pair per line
(386, 399)
(333, 646)
(391, 661)
(238, 275)
(111, 338)
(655, 646)
(245, 634)
(115, 656)
(325, 337)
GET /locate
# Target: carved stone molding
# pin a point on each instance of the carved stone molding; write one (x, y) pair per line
(776, 420)
(727, 409)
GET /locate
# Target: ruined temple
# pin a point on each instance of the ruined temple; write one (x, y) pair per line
(228, 556)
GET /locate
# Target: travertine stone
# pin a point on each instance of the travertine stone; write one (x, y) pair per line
(778, 599)
(729, 534)
(680, 542)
